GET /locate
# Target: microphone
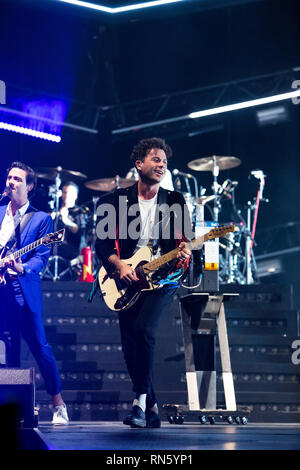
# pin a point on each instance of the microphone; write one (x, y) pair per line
(259, 174)
(5, 193)
(186, 175)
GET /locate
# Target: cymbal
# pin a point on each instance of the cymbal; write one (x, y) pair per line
(109, 184)
(207, 163)
(65, 175)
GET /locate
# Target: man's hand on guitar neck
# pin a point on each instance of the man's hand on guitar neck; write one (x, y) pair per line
(184, 251)
(125, 272)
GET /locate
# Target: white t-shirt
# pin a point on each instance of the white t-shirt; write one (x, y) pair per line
(147, 211)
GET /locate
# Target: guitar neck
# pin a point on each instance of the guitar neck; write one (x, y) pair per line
(22, 251)
(27, 248)
(164, 259)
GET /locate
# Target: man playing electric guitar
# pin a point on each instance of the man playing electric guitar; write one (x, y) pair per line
(139, 322)
(21, 296)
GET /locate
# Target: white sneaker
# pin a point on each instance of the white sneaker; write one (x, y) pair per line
(60, 415)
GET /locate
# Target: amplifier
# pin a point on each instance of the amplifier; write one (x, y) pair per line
(17, 386)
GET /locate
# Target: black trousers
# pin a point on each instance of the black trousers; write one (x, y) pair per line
(138, 326)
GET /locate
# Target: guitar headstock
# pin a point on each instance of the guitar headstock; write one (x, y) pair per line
(52, 238)
(219, 231)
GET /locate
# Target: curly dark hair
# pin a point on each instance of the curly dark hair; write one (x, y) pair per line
(30, 175)
(141, 150)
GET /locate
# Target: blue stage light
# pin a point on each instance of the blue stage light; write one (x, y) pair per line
(125, 8)
(30, 132)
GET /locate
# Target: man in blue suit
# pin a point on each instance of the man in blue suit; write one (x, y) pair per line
(21, 296)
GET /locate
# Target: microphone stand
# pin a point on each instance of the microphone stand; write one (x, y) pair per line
(94, 234)
(55, 248)
(251, 234)
(215, 188)
(55, 193)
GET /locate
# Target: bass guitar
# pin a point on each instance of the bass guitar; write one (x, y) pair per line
(49, 239)
(119, 296)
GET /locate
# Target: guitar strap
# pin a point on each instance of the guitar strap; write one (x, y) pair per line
(15, 241)
(19, 229)
(163, 196)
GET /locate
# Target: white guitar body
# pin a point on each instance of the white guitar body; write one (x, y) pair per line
(113, 292)
(119, 296)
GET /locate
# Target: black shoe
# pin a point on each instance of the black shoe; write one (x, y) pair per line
(152, 419)
(138, 417)
(128, 419)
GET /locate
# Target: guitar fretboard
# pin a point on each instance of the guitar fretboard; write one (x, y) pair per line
(22, 251)
(27, 248)
(193, 245)
(48, 239)
(164, 259)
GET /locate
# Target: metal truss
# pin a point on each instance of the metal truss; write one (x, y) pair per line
(278, 240)
(171, 111)
(168, 111)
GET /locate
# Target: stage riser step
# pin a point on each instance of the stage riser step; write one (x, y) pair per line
(80, 334)
(74, 334)
(257, 376)
(176, 338)
(113, 405)
(93, 413)
(268, 399)
(77, 315)
(255, 295)
(77, 383)
(175, 370)
(173, 358)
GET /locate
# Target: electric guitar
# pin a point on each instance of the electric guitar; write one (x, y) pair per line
(49, 239)
(119, 296)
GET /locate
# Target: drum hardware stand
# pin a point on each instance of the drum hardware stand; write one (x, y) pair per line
(94, 234)
(195, 184)
(233, 255)
(202, 315)
(233, 273)
(251, 234)
(215, 188)
(202, 200)
(198, 223)
(55, 193)
(186, 177)
(248, 249)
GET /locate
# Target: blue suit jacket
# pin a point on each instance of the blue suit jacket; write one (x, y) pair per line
(34, 261)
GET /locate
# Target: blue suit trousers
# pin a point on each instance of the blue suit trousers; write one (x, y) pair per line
(19, 320)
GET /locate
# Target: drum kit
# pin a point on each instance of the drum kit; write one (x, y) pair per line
(237, 263)
(59, 267)
(236, 257)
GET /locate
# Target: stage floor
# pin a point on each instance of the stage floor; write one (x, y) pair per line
(188, 436)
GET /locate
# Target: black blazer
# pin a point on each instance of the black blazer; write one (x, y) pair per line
(175, 225)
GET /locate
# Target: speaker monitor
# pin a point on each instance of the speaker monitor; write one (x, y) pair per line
(17, 386)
